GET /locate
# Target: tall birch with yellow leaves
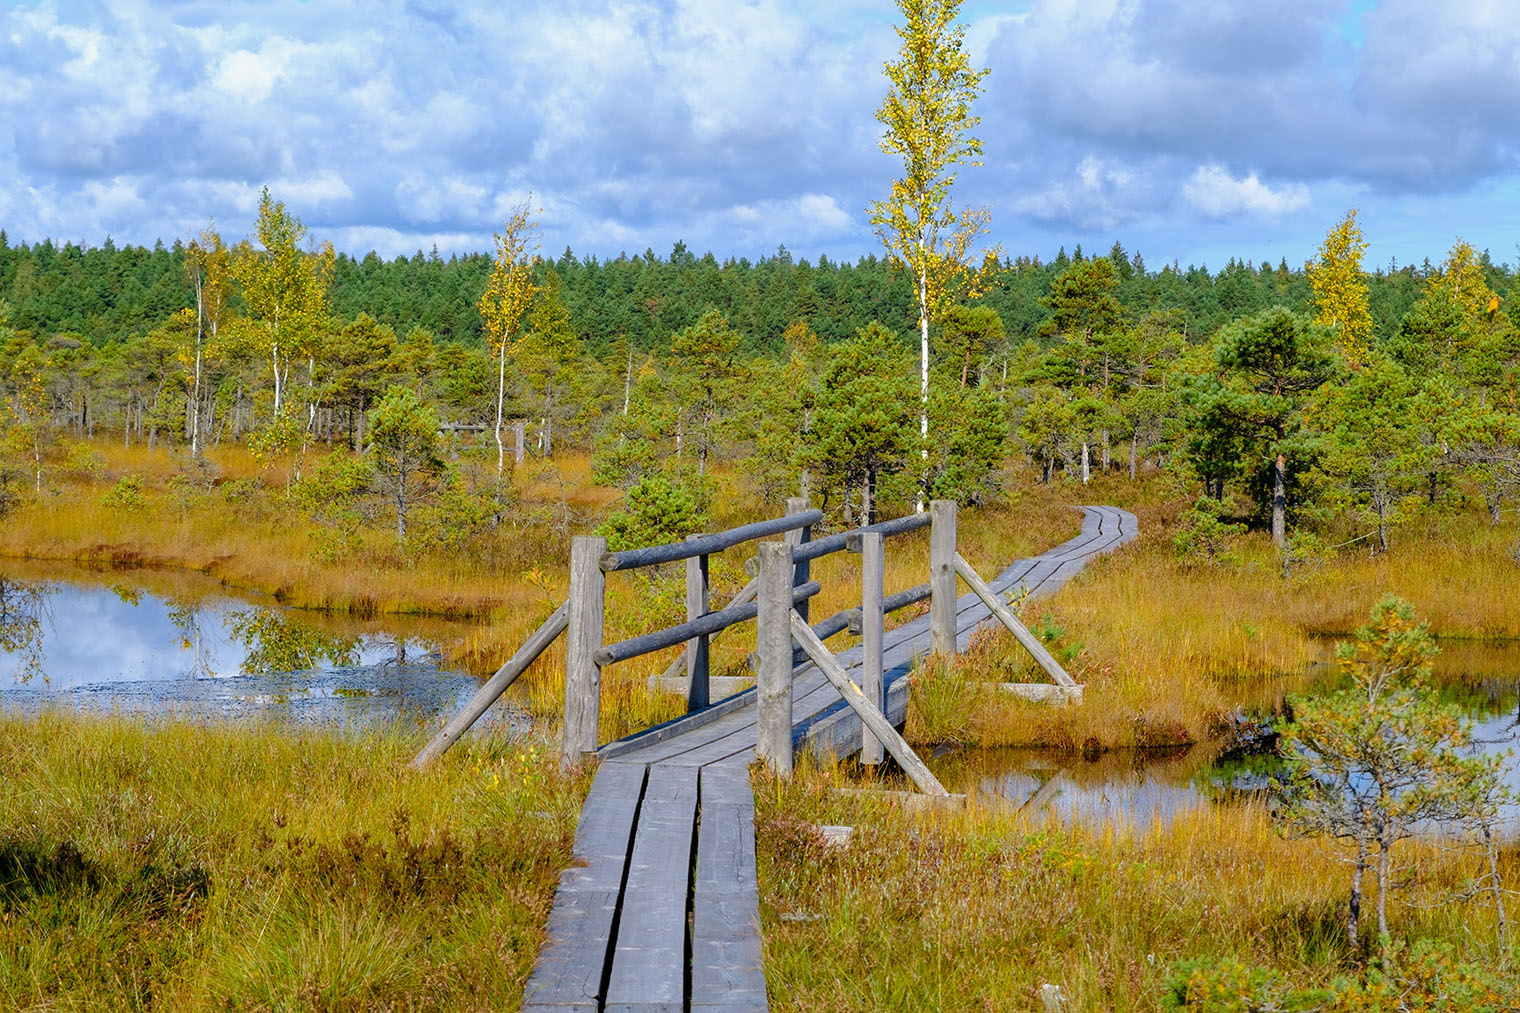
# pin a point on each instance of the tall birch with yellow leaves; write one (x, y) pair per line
(1340, 290)
(508, 295)
(284, 289)
(928, 124)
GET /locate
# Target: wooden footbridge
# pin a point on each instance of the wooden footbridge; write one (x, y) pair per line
(661, 910)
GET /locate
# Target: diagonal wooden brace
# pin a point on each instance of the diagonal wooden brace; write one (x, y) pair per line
(869, 715)
(1019, 630)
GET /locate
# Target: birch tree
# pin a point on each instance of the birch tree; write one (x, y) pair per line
(1340, 290)
(284, 289)
(505, 302)
(209, 264)
(928, 124)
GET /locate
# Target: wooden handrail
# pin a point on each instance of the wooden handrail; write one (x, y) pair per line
(706, 545)
(843, 540)
(708, 624)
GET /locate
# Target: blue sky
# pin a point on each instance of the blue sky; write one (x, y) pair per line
(1190, 130)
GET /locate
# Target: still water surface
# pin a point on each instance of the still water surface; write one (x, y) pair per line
(145, 642)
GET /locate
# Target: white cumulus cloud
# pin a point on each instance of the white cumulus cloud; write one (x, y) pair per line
(1213, 191)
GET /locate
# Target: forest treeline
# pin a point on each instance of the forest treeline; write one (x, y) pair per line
(108, 294)
(1306, 391)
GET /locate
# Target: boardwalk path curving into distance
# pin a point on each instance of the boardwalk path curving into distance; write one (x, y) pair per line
(661, 913)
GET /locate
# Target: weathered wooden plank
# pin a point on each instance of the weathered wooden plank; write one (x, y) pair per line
(712, 622)
(697, 594)
(801, 568)
(873, 567)
(706, 544)
(773, 687)
(1005, 615)
(727, 966)
(869, 715)
(942, 577)
(649, 959)
(569, 971)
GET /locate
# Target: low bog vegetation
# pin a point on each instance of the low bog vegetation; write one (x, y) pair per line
(275, 871)
(977, 909)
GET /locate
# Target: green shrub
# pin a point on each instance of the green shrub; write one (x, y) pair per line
(126, 494)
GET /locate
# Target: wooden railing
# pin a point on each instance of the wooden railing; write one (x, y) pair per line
(777, 600)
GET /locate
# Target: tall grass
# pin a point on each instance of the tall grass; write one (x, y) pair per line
(1171, 652)
(976, 909)
(190, 867)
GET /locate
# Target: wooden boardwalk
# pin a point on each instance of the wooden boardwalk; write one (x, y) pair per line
(661, 913)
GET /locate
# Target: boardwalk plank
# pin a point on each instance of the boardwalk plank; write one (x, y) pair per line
(569, 971)
(649, 961)
(727, 966)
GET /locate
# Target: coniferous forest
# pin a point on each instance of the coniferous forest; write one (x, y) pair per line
(1252, 378)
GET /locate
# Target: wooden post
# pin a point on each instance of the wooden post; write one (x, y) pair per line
(517, 440)
(869, 715)
(942, 577)
(873, 566)
(696, 648)
(803, 572)
(583, 679)
(773, 687)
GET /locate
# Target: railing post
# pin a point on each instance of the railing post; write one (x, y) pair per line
(942, 577)
(773, 687)
(803, 572)
(873, 565)
(583, 678)
(696, 649)
(518, 428)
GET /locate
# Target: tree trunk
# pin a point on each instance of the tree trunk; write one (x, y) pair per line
(1496, 890)
(923, 382)
(1086, 469)
(1279, 501)
(1133, 449)
(501, 396)
(1384, 875)
(628, 381)
(1382, 512)
(1354, 908)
